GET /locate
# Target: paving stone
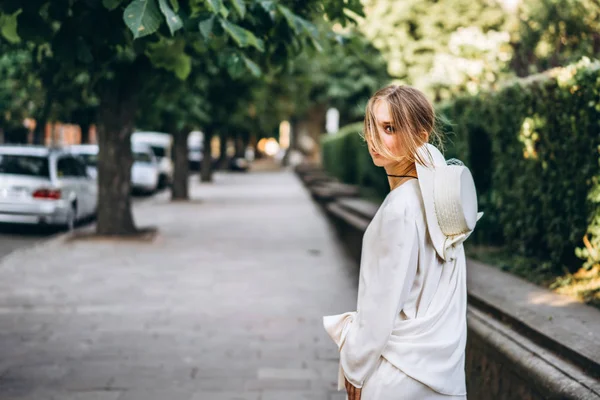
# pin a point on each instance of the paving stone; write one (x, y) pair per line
(225, 304)
(40, 374)
(94, 395)
(338, 396)
(225, 395)
(288, 395)
(287, 373)
(156, 394)
(277, 384)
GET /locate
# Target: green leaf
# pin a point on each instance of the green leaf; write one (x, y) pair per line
(224, 11)
(8, 27)
(217, 7)
(170, 55)
(111, 4)
(290, 17)
(316, 45)
(268, 5)
(240, 7)
(300, 25)
(241, 36)
(214, 5)
(173, 20)
(83, 51)
(312, 31)
(142, 17)
(175, 5)
(206, 27)
(183, 66)
(252, 66)
(308, 27)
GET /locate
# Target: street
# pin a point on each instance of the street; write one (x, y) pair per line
(14, 237)
(182, 317)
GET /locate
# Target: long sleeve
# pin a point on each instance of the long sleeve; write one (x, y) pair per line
(387, 275)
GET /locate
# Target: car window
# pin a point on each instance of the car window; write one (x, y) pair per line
(69, 167)
(142, 157)
(158, 151)
(24, 165)
(80, 167)
(90, 160)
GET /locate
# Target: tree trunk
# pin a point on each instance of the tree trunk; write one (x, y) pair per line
(85, 133)
(40, 127)
(223, 150)
(315, 122)
(181, 166)
(84, 117)
(239, 145)
(294, 132)
(206, 167)
(116, 117)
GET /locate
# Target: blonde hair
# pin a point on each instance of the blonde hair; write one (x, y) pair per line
(413, 119)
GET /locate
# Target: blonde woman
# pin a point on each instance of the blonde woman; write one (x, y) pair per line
(407, 338)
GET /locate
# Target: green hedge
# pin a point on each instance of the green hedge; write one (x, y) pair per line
(533, 148)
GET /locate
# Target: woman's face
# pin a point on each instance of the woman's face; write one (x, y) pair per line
(387, 133)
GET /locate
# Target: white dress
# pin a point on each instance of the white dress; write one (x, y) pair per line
(407, 338)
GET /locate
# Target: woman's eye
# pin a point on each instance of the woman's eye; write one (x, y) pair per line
(389, 129)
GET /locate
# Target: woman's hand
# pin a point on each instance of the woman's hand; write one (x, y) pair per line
(353, 392)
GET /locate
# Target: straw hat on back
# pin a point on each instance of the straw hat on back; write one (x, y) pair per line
(450, 201)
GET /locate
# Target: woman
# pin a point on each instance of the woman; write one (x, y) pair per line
(407, 338)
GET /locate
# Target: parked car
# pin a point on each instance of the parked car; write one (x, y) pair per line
(44, 186)
(145, 171)
(89, 155)
(195, 144)
(239, 164)
(162, 147)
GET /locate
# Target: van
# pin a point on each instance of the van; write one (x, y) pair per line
(162, 147)
(195, 144)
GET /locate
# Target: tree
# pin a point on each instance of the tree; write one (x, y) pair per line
(90, 36)
(177, 107)
(553, 33)
(20, 92)
(344, 75)
(413, 32)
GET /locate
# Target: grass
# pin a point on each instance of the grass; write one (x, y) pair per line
(584, 285)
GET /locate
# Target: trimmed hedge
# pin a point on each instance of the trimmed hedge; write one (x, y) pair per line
(534, 150)
(345, 156)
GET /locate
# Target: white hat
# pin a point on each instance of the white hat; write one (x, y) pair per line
(450, 201)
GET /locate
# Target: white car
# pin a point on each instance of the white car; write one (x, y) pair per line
(89, 155)
(40, 185)
(195, 144)
(162, 147)
(145, 171)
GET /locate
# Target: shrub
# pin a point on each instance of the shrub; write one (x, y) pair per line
(534, 150)
(345, 156)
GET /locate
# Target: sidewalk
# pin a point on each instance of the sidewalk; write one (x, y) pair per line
(225, 304)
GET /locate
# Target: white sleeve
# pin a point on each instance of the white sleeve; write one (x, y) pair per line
(385, 287)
